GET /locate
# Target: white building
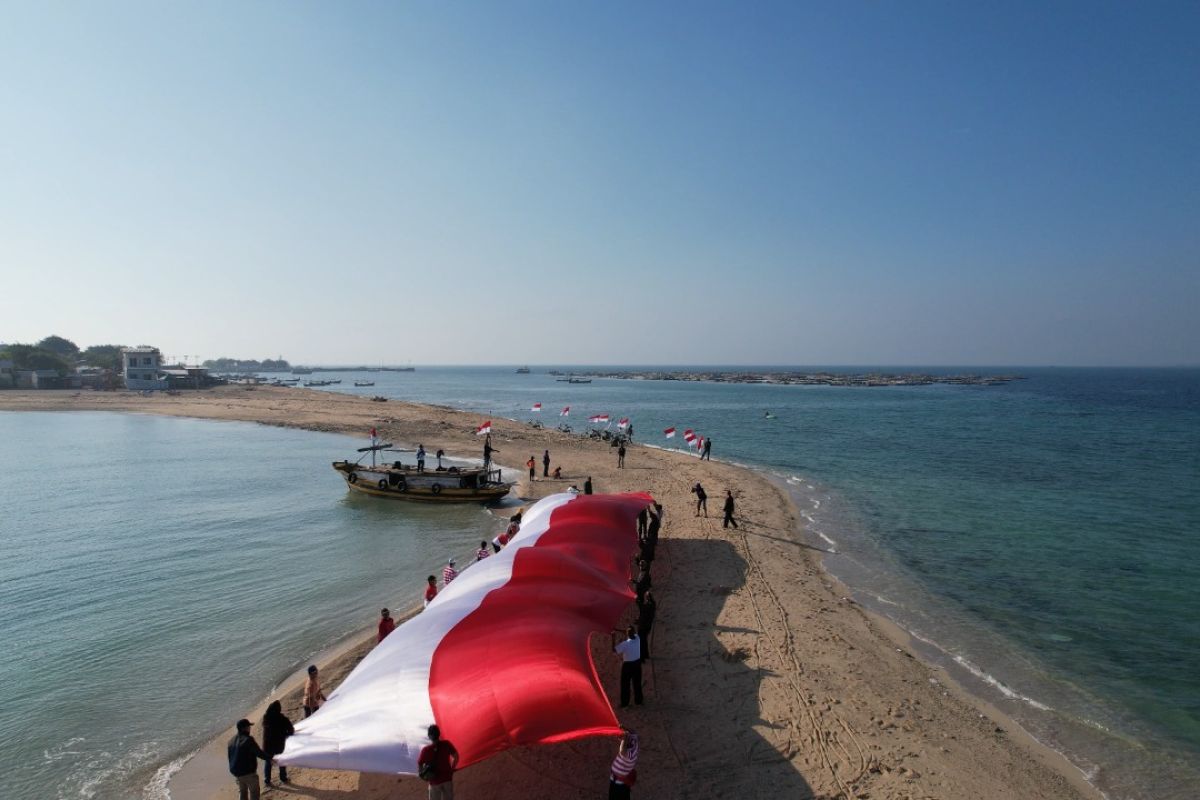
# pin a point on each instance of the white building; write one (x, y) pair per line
(143, 368)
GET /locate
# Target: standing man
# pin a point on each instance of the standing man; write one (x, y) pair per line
(707, 449)
(587, 485)
(244, 754)
(647, 608)
(729, 520)
(436, 765)
(386, 624)
(420, 458)
(630, 652)
(621, 456)
(546, 464)
(532, 468)
(449, 573)
(629, 431)
(430, 590)
(313, 696)
(487, 451)
(701, 499)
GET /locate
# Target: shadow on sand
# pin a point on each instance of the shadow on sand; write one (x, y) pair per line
(702, 735)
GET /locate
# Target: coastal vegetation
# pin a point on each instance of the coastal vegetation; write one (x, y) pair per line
(62, 355)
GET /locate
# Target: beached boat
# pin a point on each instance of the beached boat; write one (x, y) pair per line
(405, 482)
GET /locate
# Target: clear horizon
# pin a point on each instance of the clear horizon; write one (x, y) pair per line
(535, 183)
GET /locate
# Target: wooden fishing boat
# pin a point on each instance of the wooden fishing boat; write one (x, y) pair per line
(405, 482)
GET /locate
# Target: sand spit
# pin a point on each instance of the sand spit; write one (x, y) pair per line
(766, 680)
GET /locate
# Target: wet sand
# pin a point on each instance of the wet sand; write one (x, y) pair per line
(766, 679)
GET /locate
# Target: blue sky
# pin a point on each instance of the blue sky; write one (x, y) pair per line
(916, 183)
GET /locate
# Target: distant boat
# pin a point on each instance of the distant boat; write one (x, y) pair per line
(522, 370)
(301, 371)
(768, 415)
(364, 383)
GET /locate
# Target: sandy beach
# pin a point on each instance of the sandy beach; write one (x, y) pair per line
(766, 680)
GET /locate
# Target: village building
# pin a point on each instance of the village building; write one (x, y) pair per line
(142, 368)
(7, 379)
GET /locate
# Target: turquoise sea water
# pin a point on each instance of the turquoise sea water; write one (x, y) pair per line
(1040, 538)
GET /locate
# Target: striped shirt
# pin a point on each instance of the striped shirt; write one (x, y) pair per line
(624, 764)
(449, 573)
(482, 553)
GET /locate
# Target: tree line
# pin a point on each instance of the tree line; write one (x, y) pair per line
(62, 355)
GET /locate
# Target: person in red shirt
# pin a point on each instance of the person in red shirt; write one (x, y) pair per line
(386, 624)
(436, 765)
(430, 589)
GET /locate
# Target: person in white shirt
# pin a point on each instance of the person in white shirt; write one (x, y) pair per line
(630, 651)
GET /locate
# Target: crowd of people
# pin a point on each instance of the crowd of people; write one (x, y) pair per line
(438, 761)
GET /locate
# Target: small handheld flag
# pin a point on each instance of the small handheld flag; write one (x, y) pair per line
(484, 428)
(565, 412)
(669, 433)
(624, 423)
(537, 407)
(598, 418)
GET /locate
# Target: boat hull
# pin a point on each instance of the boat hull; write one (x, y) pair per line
(470, 486)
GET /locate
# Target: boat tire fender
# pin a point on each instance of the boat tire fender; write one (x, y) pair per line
(436, 488)
(452, 469)
(352, 477)
(382, 483)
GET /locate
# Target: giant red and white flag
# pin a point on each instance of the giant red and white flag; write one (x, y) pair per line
(623, 423)
(499, 659)
(595, 419)
(669, 433)
(566, 412)
(537, 407)
(484, 428)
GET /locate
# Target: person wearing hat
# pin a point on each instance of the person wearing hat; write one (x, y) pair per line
(449, 573)
(244, 754)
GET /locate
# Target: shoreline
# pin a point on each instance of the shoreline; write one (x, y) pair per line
(870, 710)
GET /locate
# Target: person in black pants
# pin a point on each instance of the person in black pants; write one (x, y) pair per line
(621, 457)
(546, 464)
(630, 651)
(729, 520)
(647, 608)
(587, 485)
(701, 499)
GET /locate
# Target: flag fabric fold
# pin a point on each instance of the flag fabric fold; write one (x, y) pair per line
(500, 658)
